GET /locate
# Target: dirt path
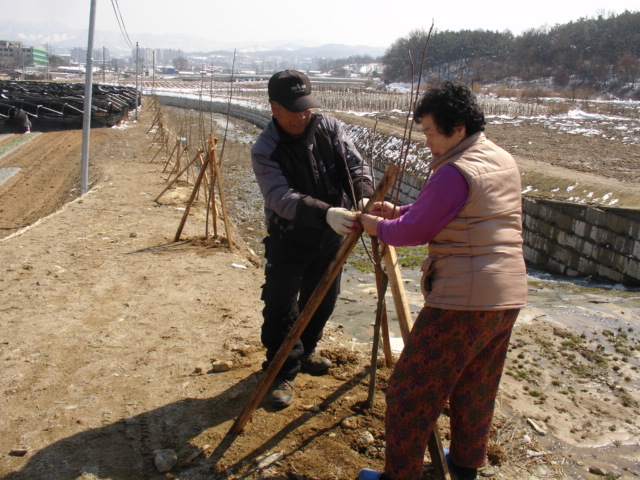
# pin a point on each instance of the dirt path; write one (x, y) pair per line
(110, 331)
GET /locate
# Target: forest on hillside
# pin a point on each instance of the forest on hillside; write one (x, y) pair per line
(600, 53)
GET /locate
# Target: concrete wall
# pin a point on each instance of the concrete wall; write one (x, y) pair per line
(243, 112)
(564, 238)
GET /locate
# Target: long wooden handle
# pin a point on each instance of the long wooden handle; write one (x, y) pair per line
(388, 179)
(397, 291)
(434, 444)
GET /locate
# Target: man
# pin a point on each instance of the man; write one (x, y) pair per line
(310, 176)
(18, 121)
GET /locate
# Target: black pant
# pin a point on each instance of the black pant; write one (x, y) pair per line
(292, 272)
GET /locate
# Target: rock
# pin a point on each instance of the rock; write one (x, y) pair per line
(311, 408)
(365, 439)
(604, 473)
(165, 459)
(350, 423)
(539, 428)
(221, 365)
(597, 471)
(266, 460)
(487, 472)
(18, 452)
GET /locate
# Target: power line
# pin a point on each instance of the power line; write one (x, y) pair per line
(123, 29)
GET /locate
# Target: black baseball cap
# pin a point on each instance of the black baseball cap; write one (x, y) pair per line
(292, 90)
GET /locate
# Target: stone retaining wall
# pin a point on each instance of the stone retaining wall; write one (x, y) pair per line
(559, 237)
(581, 240)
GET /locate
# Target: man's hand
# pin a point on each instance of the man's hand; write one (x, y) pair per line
(362, 203)
(342, 220)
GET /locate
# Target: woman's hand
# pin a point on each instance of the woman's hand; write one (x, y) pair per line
(370, 223)
(385, 210)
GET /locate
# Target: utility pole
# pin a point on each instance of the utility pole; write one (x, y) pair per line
(137, 67)
(103, 65)
(153, 73)
(86, 117)
(46, 47)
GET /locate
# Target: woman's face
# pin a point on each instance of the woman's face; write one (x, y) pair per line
(291, 122)
(437, 141)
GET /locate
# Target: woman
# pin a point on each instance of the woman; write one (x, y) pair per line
(474, 284)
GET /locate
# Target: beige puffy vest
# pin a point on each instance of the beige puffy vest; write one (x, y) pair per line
(476, 261)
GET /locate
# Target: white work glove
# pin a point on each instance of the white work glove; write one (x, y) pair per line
(341, 220)
(362, 203)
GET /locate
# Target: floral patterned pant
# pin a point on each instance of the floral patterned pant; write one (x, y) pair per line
(454, 356)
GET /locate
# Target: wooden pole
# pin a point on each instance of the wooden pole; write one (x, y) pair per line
(223, 203)
(397, 291)
(177, 177)
(434, 445)
(154, 157)
(386, 340)
(171, 156)
(211, 207)
(314, 301)
(193, 194)
(382, 281)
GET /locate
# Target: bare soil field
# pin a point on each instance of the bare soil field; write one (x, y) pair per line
(112, 333)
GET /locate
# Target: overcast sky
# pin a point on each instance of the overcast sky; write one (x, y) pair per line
(309, 22)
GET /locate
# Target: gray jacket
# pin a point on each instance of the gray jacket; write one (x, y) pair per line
(301, 178)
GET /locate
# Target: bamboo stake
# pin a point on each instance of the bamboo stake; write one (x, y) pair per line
(223, 203)
(434, 445)
(386, 340)
(176, 167)
(159, 134)
(190, 169)
(191, 199)
(159, 150)
(305, 316)
(397, 291)
(381, 283)
(211, 206)
(382, 279)
(177, 177)
(171, 156)
(155, 120)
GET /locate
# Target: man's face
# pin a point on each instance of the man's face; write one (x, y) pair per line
(292, 123)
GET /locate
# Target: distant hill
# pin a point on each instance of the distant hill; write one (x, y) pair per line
(61, 37)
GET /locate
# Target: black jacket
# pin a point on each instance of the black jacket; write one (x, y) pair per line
(301, 178)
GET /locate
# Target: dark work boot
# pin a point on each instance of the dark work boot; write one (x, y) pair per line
(281, 392)
(315, 363)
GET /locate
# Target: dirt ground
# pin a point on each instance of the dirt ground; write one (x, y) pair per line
(112, 335)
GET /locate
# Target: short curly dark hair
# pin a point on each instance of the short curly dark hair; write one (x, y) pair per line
(451, 104)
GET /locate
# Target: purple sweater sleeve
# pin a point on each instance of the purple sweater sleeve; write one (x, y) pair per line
(438, 203)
